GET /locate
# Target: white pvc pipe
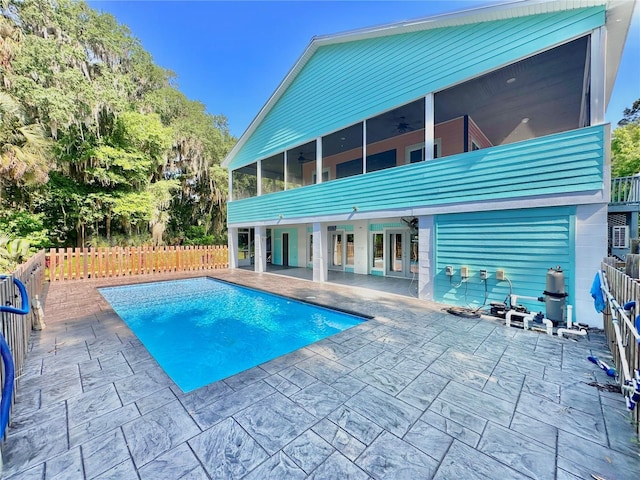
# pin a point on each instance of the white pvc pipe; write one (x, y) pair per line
(549, 324)
(565, 331)
(569, 315)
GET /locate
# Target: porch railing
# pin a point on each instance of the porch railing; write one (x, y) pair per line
(89, 263)
(624, 289)
(625, 190)
(16, 329)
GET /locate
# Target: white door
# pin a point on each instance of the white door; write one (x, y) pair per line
(337, 251)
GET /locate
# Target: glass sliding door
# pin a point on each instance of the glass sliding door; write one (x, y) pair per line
(245, 246)
(397, 253)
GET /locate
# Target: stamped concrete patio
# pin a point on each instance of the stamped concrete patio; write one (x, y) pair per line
(414, 393)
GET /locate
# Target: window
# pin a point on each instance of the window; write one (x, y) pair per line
(537, 96)
(301, 165)
(620, 236)
(396, 137)
(350, 250)
(273, 174)
(342, 152)
(377, 252)
(325, 176)
(414, 153)
(244, 181)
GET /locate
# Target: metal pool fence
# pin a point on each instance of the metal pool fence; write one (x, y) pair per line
(624, 289)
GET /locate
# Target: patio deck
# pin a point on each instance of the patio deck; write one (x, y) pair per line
(413, 393)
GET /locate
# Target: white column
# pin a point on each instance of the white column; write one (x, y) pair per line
(429, 126)
(598, 75)
(259, 173)
(232, 242)
(286, 173)
(361, 241)
(319, 160)
(426, 268)
(364, 146)
(230, 199)
(260, 260)
(320, 252)
(590, 248)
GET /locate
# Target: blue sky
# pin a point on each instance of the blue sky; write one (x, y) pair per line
(232, 55)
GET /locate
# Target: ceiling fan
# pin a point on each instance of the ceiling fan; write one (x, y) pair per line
(402, 126)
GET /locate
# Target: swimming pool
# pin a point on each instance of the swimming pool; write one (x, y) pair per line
(202, 330)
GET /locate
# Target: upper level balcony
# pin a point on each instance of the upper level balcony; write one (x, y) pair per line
(560, 166)
(625, 194)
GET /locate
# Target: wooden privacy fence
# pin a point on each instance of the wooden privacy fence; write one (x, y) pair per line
(624, 289)
(85, 263)
(17, 328)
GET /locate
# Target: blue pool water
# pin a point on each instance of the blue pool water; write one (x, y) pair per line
(202, 330)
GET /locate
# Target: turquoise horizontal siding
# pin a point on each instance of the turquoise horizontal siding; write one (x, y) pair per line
(347, 82)
(523, 243)
(568, 162)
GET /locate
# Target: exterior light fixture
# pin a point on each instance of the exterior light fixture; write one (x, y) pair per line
(355, 208)
(279, 216)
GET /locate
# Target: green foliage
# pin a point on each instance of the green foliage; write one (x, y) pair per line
(625, 144)
(23, 224)
(12, 253)
(631, 115)
(132, 160)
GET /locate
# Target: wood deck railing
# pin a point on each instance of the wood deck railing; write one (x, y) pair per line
(16, 329)
(625, 190)
(86, 263)
(624, 289)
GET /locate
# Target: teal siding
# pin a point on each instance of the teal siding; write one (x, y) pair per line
(565, 163)
(523, 243)
(347, 82)
(379, 227)
(277, 246)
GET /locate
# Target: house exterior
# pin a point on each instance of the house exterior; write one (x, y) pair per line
(474, 141)
(624, 208)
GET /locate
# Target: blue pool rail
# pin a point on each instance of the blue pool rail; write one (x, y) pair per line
(24, 309)
(7, 388)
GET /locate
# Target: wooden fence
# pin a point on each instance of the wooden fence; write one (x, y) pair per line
(85, 263)
(16, 329)
(624, 289)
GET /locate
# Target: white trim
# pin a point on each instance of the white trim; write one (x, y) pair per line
(412, 148)
(364, 146)
(437, 143)
(318, 160)
(620, 22)
(286, 174)
(429, 126)
(598, 75)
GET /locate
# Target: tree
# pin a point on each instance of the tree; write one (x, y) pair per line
(131, 157)
(625, 144)
(631, 115)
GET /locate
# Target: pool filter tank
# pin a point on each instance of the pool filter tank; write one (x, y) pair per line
(555, 296)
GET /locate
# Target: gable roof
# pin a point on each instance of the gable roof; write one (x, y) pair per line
(618, 19)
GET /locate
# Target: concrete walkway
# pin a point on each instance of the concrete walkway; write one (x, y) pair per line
(413, 394)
